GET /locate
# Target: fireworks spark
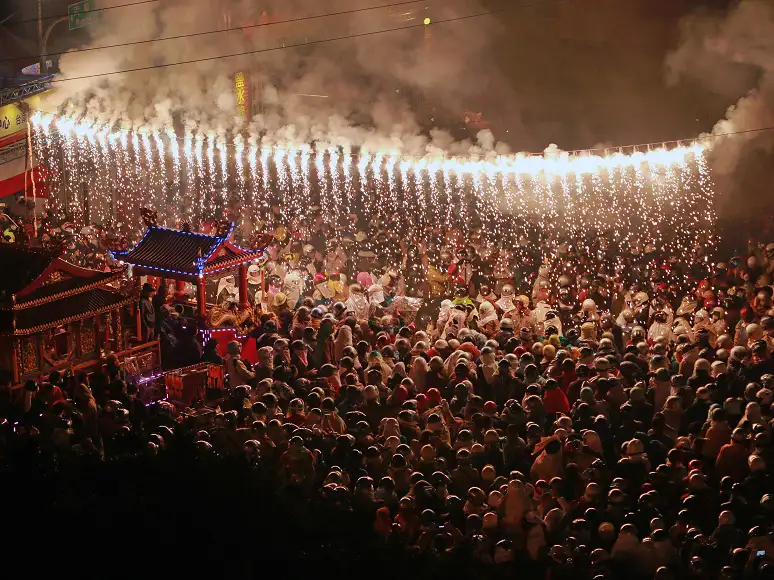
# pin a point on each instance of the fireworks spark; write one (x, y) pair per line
(641, 197)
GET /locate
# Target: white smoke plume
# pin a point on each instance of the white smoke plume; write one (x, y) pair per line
(733, 54)
(353, 92)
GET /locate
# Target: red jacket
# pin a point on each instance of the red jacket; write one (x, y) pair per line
(732, 461)
(555, 401)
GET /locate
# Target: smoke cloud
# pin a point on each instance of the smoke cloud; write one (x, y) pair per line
(354, 92)
(733, 54)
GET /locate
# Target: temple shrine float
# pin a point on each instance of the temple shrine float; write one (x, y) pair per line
(199, 264)
(56, 316)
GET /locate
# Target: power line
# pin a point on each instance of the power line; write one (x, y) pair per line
(85, 12)
(298, 45)
(287, 21)
(677, 142)
(245, 27)
(7, 18)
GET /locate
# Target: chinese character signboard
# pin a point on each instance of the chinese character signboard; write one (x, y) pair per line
(242, 94)
(12, 120)
(80, 14)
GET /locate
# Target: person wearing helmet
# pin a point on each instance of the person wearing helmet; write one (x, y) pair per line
(544, 292)
(377, 299)
(438, 277)
(324, 346)
(566, 305)
(641, 308)
(237, 370)
(301, 319)
(339, 310)
(660, 327)
(502, 272)
(294, 283)
(702, 327)
(506, 302)
(228, 293)
(488, 321)
(298, 465)
(718, 321)
(542, 283)
(523, 317)
(588, 312)
(768, 259)
(315, 317)
(254, 283)
(762, 301)
(357, 303)
(323, 293)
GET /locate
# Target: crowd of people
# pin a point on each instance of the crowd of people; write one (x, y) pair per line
(602, 415)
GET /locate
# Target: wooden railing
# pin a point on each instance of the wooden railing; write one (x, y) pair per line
(150, 353)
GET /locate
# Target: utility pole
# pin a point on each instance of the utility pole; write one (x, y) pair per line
(40, 28)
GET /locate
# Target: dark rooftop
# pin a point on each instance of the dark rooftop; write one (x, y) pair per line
(21, 266)
(66, 310)
(171, 250)
(65, 286)
(180, 252)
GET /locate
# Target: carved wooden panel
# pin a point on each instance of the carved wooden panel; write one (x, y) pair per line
(88, 339)
(29, 355)
(119, 330)
(72, 337)
(146, 361)
(17, 356)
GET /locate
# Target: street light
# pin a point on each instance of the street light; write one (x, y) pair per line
(43, 61)
(43, 37)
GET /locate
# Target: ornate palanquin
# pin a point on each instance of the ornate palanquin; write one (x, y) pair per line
(189, 257)
(56, 315)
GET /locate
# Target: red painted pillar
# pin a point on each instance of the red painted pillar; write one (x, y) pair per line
(179, 289)
(201, 299)
(137, 317)
(98, 331)
(108, 317)
(243, 301)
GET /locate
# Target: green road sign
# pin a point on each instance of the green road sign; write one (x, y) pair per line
(80, 14)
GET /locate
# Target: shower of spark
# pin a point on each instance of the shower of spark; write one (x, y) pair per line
(212, 176)
(252, 162)
(190, 178)
(239, 151)
(661, 197)
(199, 153)
(224, 194)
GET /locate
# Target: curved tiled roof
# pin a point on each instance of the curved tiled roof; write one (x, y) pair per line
(172, 250)
(64, 310)
(50, 292)
(21, 266)
(186, 253)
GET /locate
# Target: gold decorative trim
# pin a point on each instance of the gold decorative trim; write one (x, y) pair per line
(32, 303)
(63, 321)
